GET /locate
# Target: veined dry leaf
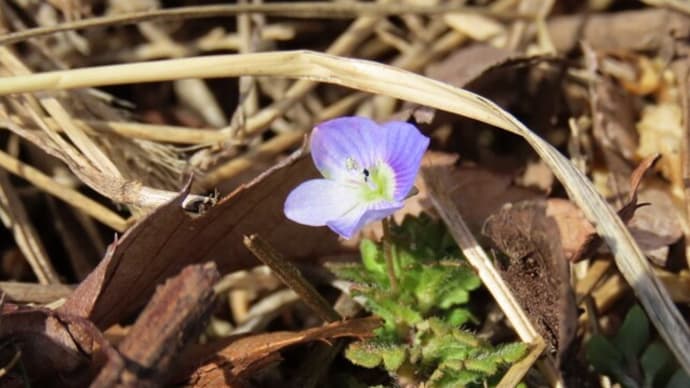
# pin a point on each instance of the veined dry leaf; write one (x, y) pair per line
(244, 354)
(168, 239)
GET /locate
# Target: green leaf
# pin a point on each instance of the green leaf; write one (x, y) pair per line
(451, 377)
(466, 338)
(633, 335)
(360, 353)
(486, 366)
(680, 379)
(353, 272)
(459, 316)
(394, 357)
(512, 352)
(427, 289)
(372, 257)
(607, 359)
(454, 297)
(603, 355)
(653, 360)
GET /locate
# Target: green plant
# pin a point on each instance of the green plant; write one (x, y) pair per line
(421, 339)
(631, 359)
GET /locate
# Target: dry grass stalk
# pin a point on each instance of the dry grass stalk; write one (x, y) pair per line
(88, 148)
(35, 293)
(15, 218)
(67, 194)
(293, 9)
(143, 131)
(274, 146)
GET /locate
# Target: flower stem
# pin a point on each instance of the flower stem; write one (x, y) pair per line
(388, 254)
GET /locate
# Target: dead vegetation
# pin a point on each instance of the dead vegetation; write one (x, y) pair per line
(143, 144)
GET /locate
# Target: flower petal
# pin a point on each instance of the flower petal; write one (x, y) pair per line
(355, 142)
(405, 147)
(318, 201)
(349, 224)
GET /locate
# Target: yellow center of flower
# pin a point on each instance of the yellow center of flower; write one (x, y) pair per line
(379, 183)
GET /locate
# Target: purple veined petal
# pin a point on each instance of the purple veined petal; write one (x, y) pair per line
(318, 201)
(347, 142)
(349, 224)
(405, 147)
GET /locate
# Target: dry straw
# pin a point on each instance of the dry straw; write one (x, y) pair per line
(389, 81)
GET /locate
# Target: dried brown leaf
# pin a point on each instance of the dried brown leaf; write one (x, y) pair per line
(244, 354)
(614, 114)
(626, 213)
(657, 226)
(476, 191)
(169, 239)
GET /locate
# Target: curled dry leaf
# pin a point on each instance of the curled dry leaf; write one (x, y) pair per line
(535, 269)
(244, 354)
(650, 213)
(657, 226)
(168, 239)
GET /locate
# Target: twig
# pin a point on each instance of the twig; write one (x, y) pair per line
(17, 356)
(15, 218)
(72, 197)
(291, 9)
(34, 293)
(274, 146)
(291, 276)
(91, 152)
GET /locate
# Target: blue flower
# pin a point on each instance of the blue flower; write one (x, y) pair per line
(368, 169)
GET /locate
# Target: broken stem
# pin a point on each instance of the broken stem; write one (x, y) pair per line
(291, 276)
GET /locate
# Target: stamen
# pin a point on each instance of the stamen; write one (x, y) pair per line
(351, 164)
